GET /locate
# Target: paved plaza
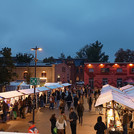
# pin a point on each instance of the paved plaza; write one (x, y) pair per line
(43, 124)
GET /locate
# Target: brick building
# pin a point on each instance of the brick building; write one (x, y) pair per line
(116, 74)
(46, 72)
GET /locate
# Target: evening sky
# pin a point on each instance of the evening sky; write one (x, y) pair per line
(66, 25)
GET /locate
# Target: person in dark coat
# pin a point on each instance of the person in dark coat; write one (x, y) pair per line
(69, 100)
(53, 123)
(100, 126)
(5, 111)
(80, 110)
(125, 121)
(90, 101)
(73, 120)
(76, 101)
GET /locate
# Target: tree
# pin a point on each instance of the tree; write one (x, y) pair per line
(62, 56)
(24, 58)
(6, 66)
(93, 53)
(69, 57)
(49, 60)
(124, 55)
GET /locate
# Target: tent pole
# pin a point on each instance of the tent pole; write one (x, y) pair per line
(106, 115)
(114, 113)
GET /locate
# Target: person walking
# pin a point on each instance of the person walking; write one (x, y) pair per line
(80, 110)
(69, 100)
(65, 118)
(125, 121)
(100, 126)
(76, 101)
(53, 123)
(51, 102)
(90, 101)
(73, 120)
(5, 111)
(61, 124)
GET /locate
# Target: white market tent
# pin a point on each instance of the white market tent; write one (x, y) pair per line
(28, 91)
(66, 84)
(107, 88)
(126, 87)
(42, 89)
(118, 97)
(10, 94)
(53, 85)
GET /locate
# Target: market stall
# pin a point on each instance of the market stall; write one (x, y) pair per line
(9, 98)
(114, 101)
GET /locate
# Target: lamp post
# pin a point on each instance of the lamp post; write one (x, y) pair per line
(35, 59)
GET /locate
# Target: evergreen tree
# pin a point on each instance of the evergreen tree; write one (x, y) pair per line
(93, 53)
(6, 66)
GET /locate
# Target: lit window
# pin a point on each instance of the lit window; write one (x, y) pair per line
(91, 70)
(119, 70)
(43, 74)
(132, 70)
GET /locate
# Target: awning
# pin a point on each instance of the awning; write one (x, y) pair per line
(28, 91)
(57, 85)
(107, 88)
(117, 97)
(126, 87)
(41, 89)
(51, 87)
(66, 84)
(10, 94)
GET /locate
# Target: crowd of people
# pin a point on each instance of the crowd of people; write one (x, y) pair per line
(20, 108)
(73, 100)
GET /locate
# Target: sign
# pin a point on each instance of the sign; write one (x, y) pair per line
(35, 81)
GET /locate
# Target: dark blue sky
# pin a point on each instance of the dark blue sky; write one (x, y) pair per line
(66, 26)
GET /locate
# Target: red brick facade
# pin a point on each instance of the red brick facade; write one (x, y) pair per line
(116, 74)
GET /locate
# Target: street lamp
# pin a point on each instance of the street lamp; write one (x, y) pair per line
(35, 59)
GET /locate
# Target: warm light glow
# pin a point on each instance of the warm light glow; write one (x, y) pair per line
(43, 71)
(32, 49)
(58, 76)
(115, 64)
(90, 65)
(130, 64)
(43, 78)
(25, 71)
(101, 65)
(40, 49)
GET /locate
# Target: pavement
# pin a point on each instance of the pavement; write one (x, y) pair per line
(42, 122)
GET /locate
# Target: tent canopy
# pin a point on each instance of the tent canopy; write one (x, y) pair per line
(51, 87)
(10, 94)
(107, 88)
(126, 87)
(115, 96)
(28, 91)
(66, 84)
(41, 89)
(57, 85)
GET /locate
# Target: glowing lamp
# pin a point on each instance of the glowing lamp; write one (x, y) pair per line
(130, 64)
(90, 65)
